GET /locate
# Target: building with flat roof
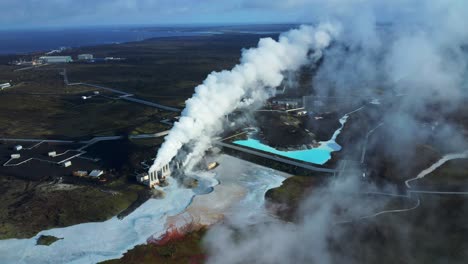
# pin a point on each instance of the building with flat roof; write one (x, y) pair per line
(96, 173)
(4, 85)
(152, 178)
(287, 102)
(56, 59)
(80, 173)
(85, 57)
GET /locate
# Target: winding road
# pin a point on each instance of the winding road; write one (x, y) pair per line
(80, 150)
(123, 95)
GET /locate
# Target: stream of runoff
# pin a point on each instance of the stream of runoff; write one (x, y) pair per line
(99, 241)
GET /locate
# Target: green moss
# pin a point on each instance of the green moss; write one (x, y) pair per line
(286, 198)
(47, 240)
(24, 213)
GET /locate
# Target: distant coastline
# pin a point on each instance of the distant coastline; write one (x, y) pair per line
(28, 41)
(24, 42)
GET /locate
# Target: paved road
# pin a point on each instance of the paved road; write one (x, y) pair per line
(155, 135)
(105, 88)
(129, 97)
(91, 141)
(438, 192)
(167, 108)
(80, 150)
(275, 158)
(30, 67)
(36, 140)
(364, 149)
(123, 95)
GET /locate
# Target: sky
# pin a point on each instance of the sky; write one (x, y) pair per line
(71, 13)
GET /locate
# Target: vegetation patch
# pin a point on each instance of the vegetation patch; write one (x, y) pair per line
(186, 250)
(47, 240)
(27, 208)
(285, 200)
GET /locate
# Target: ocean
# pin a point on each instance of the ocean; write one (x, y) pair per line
(27, 41)
(44, 40)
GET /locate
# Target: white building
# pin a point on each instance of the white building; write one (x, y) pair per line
(152, 178)
(142, 178)
(85, 57)
(155, 177)
(52, 154)
(66, 164)
(96, 173)
(4, 86)
(288, 102)
(18, 147)
(15, 156)
(56, 59)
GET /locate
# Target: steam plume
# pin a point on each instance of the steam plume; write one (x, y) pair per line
(260, 69)
(419, 53)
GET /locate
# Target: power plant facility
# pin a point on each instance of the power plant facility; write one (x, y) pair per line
(152, 178)
(4, 86)
(56, 59)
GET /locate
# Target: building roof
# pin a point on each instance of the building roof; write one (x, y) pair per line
(55, 57)
(96, 173)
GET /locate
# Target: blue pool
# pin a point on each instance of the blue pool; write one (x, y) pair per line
(319, 155)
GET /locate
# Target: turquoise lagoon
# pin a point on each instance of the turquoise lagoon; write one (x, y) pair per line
(319, 155)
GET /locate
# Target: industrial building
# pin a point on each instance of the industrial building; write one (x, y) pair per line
(80, 173)
(288, 102)
(85, 57)
(66, 164)
(4, 85)
(96, 173)
(55, 59)
(18, 147)
(152, 178)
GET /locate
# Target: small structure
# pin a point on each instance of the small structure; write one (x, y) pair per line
(15, 156)
(287, 102)
(66, 164)
(80, 173)
(212, 165)
(152, 178)
(56, 59)
(85, 57)
(301, 113)
(142, 178)
(52, 154)
(4, 86)
(84, 97)
(18, 147)
(96, 173)
(155, 177)
(96, 92)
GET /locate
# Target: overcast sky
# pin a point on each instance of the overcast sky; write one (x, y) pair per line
(64, 13)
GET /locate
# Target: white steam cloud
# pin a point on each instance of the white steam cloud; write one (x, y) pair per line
(260, 69)
(417, 59)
